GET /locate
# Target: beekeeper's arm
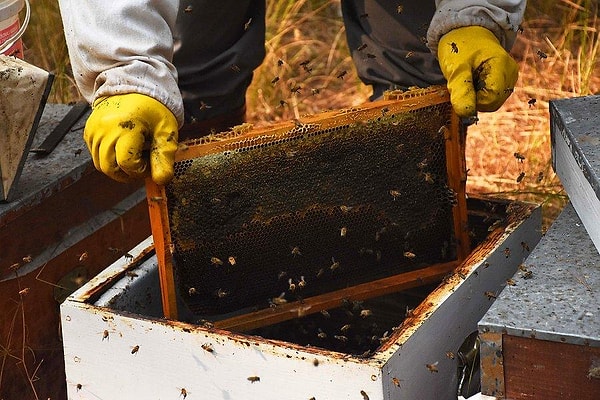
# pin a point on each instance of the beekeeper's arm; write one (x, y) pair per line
(121, 54)
(471, 39)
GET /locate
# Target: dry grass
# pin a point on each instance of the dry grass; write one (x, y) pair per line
(569, 37)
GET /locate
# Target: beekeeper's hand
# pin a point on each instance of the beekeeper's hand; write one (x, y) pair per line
(480, 73)
(126, 132)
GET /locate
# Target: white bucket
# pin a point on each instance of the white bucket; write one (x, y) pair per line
(11, 29)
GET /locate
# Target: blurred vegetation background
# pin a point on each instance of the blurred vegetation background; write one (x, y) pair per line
(567, 31)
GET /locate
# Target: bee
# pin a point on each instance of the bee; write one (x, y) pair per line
(315, 91)
(105, 335)
(279, 300)
(519, 156)
(394, 193)
(275, 80)
(454, 47)
(281, 275)
(409, 54)
(301, 283)
(479, 85)
(384, 338)
(362, 47)
(253, 379)
(345, 209)
(365, 313)
(531, 102)
(135, 349)
(423, 164)
(247, 24)
(343, 231)
(292, 285)
(232, 261)
(216, 261)
(221, 293)
(189, 9)
(156, 198)
(280, 62)
(409, 255)
(128, 257)
(345, 328)
(83, 256)
(490, 295)
(184, 393)
(341, 338)
(203, 105)
(520, 29)
(208, 347)
(78, 152)
(520, 177)
(509, 90)
(24, 292)
(507, 252)
(296, 251)
(400, 8)
(364, 395)
(541, 54)
(321, 335)
(540, 176)
(334, 264)
(384, 111)
(342, 74)
(450, 355)
(27, 259)
(320, 272)
(511, 282)
(295, 89)
(325, 313)
(371, 56)
(304, 63)
(522, 267)
(396, 381)
(429, 177)
(527, 274)
(432, 367)
(525, 246)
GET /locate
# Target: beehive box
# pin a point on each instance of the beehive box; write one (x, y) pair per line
(541, 340)
(117, 345)
(301, 261)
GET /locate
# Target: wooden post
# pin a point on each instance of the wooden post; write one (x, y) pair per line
(159, 222)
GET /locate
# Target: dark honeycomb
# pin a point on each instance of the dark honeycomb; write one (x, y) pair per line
(292, 215)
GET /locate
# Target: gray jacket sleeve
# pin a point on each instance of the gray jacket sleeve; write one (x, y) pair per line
(502, 17)
(118, 47)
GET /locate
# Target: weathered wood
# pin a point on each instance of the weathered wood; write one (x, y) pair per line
(315, 304)
(159, 222)
(540, 369)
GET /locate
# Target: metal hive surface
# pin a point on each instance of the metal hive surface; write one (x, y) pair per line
(290, 214)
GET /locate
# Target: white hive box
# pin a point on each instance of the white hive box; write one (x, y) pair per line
(118, 346)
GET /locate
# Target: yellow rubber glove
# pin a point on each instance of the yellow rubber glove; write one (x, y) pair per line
(125, 132)
(480, 73)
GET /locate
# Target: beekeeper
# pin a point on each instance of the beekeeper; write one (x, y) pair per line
(150, 66)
